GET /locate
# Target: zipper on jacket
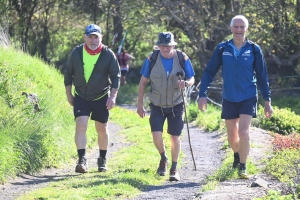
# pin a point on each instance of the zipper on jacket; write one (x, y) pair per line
(167, 89)
(236, 75)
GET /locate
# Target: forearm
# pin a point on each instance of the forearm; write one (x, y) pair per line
(69, 90)
(141, 92)
(113, 93)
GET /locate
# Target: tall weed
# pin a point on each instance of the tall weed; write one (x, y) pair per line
(31, 140)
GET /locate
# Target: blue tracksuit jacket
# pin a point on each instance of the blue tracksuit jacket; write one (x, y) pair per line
(241, 74)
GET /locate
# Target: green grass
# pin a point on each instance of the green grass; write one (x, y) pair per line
(140, 158)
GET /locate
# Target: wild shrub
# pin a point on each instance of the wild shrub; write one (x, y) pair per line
(284, 164)
(210, 120)
(283, 121)
(281, 142)
(192, 111)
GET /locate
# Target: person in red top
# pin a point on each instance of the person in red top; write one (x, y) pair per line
(123, 60)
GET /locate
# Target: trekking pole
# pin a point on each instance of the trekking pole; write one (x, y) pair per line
(180, 74)
(122, 43)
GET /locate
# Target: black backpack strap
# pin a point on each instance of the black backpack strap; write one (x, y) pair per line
(221, 54)
(180, 58)
(155, 53)
(254, 53)
(253, 48)
(153, 59)
(80, 50)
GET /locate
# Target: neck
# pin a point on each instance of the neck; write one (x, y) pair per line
(239, 43)
(170, 55)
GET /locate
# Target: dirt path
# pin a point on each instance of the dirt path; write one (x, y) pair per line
(208, 156)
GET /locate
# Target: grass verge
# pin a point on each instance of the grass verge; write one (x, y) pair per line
(140, 158)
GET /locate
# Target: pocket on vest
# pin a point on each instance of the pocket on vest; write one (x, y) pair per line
(156, 79)
(154, 98)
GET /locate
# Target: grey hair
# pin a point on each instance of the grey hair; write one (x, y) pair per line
(242, 17)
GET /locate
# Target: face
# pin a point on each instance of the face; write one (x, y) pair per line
(93, 41)
(166, 51)
(239, 29)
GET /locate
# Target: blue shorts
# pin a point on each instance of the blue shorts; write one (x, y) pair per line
(173, 115)
(97, 108)
(232, 110)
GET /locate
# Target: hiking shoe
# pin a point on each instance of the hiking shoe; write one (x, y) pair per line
(236, 161)
(162, 168)
(174, 175)
(243, 174)
(102, 165)
(81, 166)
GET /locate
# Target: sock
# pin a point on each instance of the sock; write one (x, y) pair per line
(242, 166)
(174, 165)
(236, 155)
(81, 153)
(102, 153)
(163, 156)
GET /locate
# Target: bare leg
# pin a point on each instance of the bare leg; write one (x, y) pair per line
(158, 141)
(244, 147)
(102, 135)
(175, 147)
(232, 126)
(80, 132)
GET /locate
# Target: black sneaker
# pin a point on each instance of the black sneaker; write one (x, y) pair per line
(102, 165)
(236, 161)
(174, 175)
(162, 168)
(81, 166)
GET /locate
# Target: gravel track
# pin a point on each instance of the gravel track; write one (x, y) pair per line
(208, 157)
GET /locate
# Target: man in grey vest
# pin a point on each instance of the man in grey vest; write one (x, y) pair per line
(166, 99)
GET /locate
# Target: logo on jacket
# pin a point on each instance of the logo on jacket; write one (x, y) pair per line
(226, 53)
(246, 53)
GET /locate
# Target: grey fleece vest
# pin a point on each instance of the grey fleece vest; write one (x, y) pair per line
(164, 90)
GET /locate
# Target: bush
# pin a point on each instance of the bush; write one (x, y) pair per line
(281, 142)
(283, 121)
(284, 164)
(192, 112)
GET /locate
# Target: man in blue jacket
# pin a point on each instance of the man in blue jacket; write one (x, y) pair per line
(243, 69)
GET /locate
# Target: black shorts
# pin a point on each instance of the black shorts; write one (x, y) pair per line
(232, 110)
(124, 72)
(97, 108)
(174, 115)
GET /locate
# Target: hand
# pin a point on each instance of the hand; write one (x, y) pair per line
(141, 111)
(268, 109)
(181, 84)
(202, 104)
(110, 103)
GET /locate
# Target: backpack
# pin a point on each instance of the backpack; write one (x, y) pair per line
(155, 54)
